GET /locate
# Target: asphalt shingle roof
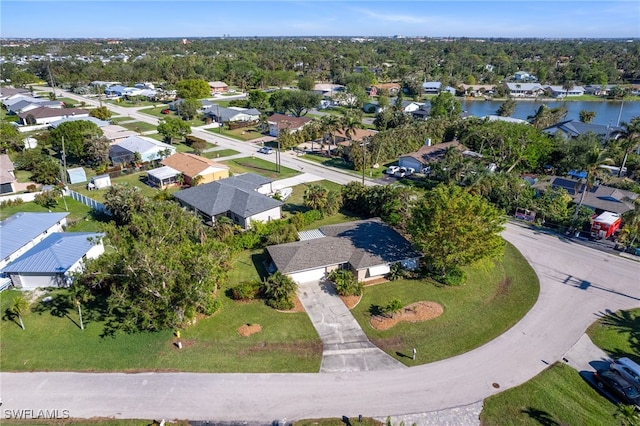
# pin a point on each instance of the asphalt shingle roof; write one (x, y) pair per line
(362, 244)
(55, 254)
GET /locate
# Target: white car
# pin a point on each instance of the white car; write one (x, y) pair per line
(404, 172)
(392, 170)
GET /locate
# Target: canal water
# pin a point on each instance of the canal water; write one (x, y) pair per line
(607, 112)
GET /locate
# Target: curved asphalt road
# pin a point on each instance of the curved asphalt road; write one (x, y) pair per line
(578, 285)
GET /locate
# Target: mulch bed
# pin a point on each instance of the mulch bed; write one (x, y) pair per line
(351, 301)
(415, 312)
(249, 329)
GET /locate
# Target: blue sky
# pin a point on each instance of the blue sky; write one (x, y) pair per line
(129, 19)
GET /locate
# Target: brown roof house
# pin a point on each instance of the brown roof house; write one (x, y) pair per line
(7, 178)
(366, 247)
(44, 115)
(429, 154)
(279, 122)
(190, 166)
(391, 88)
(218, 87)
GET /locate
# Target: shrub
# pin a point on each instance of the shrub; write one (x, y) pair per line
(346, 283)
(9, 203)
(32, 187)
(397, 271)
(454, 277)
(247, 290)
(279, 291)
(46, 199)
(395, 305)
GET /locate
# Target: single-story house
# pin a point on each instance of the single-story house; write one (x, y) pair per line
(76, 175)
(27, 105)
(161, 177)
(191, 165)
(116, 133)
(431, 87)
(599, 197)
(21, 231)
(218, 87)
(570, 129)
(428, 154)
(7, 177)
(477, 90)
(148, 148)
(598, 90)
(561, 92)
(6, 92)
(232, 114)
(524, 76)
(205, 104)
(503, 118)
(44, 115)
(242, 198)
(391, 88)
(525, 90)
(366, 247)
(53, 260)
(328, 89)
(16, 99)
(278, 122)
(100, 123)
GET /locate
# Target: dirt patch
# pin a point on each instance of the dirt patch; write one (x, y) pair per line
(503, 288)
(351, 301)
(249, 329)
(186, 343)
(415, 312)
(376, 281)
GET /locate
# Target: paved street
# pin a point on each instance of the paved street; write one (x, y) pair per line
(578, 285)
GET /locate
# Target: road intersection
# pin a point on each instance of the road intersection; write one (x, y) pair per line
(577, 286)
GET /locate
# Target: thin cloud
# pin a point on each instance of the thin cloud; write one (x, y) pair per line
(407, 19)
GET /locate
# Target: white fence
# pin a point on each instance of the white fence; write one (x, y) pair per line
(87, 201)
(27, 197)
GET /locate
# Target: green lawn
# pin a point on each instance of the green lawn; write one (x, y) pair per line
(241, 134)
(618, 334)
(139, 126)
(340, 163)
(287, 343)
(119, 119)
(134, 179)
(218, 153)
(129, 104)
(80, 219)
(557, 396)
(259, 166)
(491, 302)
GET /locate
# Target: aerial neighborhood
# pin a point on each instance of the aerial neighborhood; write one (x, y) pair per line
(347, 207)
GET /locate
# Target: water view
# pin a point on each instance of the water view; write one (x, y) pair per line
(607, 112)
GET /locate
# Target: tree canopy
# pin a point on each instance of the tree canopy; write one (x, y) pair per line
(173, 128)
(164, 269)
(454, 228)
(295, 102)
(75, 134)
(193, 88)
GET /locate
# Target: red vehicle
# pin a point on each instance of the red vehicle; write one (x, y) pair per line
(165, 111)
(604, 225)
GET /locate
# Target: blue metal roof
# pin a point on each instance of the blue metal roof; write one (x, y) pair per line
(19, 229)
(55, 254)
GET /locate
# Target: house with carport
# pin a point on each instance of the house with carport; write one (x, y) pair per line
(190, 166)
(278, 122)
(242, 198)
(368, 248)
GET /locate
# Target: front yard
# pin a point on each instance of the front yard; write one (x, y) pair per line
(259, 166)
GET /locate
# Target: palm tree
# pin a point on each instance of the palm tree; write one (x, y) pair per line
(78, 295)
(18, 307)
(350, 123)
(628, 415)
(330, 125)
(567, 86)
(631, 229)
(631, 138)
(595, 159)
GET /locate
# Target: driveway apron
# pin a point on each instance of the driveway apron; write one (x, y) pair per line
(345, 346)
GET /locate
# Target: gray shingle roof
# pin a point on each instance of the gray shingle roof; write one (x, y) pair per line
(362, 244)
(19, 229)
(574, 128)
(55, 254)
(236, 194)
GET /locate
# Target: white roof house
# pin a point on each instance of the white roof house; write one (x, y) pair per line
(20, 232)
(524, 89)
(52, 261)
(148, 148)
(561, 92)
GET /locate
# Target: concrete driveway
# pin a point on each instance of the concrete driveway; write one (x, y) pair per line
(345, 346)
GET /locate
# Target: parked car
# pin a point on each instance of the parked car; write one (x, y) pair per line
(618, 385)
(165, 111)
(404, 172)
(392, 170)
(627, 369)
(265, 150)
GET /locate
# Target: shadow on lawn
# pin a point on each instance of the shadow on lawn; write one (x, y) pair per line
(542, 417)
(625, 322)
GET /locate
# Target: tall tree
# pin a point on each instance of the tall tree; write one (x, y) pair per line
(631, 139)
(74, 135)
(507, 108)
(454, 228)
(188, 108)
(193, 88)
(587, 116)
(173, 128)
(445, 105)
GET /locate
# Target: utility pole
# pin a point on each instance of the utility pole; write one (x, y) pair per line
(64, 164)
(364, 144)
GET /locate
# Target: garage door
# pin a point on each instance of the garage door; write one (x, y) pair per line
(306, 276)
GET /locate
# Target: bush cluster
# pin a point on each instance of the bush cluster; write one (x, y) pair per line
(346, 283)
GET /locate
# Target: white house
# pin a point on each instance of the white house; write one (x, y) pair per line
(431, 87)
(148, 148)
(22, 231)
(44, 115)
(524, 90)
(53, 260)
(561, 92)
